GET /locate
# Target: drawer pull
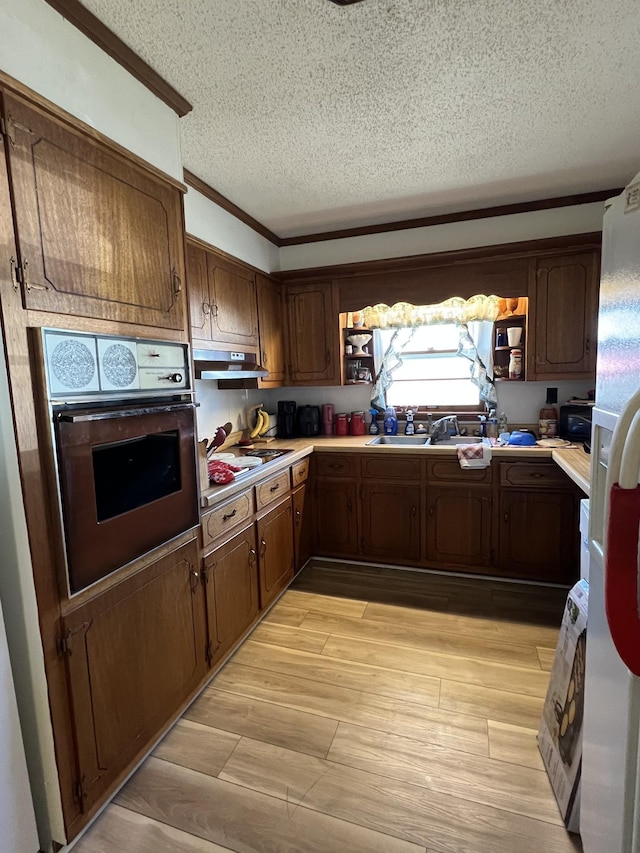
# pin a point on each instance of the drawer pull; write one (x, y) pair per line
(431, 511)
(337, 465)
(506, 518)
(537, 474)
(275, 487)
(229, 515)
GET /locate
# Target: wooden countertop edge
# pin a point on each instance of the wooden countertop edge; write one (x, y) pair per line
(576, 464)
(572, 460)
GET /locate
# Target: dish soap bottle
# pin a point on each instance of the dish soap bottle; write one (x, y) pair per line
(410, 428)
(390, 421)
(374, 429)
(548, 423)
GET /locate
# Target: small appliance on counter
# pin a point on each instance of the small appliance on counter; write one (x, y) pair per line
(575, 421)
(308, 421)
(286, 418)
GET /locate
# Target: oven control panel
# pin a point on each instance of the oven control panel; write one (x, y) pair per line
(83, 365)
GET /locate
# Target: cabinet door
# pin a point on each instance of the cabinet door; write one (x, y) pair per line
(390, 518)
(313, 323)
(564, 309)
(336, 531)
(302, 526)
(198, 286)
(234, 312)
(231, 583)
(98, 236)
(271, 328)
(275, 532)
(134, 655)
(459, 525)
(538, 536)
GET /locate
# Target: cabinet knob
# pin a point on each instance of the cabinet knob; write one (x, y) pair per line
(263, 547)
(264, 358)
(587, 345)
(431, 511)
(206, 308)
(252, 556)
(506, 518)
(298, 515)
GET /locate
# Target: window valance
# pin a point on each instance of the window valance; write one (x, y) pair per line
(454, 310)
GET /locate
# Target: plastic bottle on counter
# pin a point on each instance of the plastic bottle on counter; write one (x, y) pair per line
(410, 426)
(390, 421)
(374, 429)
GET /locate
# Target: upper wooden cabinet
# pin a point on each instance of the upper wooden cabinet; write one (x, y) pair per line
(271, 328)
(314, 334)
(98, 235)
(222, 299)
(563, 307)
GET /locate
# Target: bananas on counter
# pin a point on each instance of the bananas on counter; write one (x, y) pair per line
(262, 423)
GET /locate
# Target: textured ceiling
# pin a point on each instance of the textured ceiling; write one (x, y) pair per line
(311, 116)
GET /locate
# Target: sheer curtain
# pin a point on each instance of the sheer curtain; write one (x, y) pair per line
(474, 317)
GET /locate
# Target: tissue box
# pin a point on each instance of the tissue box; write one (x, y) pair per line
(560, 733)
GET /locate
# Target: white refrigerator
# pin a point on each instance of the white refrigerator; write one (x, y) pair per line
(610, 804)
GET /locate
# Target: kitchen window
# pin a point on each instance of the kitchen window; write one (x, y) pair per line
(432, 375)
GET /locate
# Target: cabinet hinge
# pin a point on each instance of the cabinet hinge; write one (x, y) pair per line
(80, 789)
(5, 130)
(63, 644)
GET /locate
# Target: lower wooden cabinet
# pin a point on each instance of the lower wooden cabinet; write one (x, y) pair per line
(336, 532)
(133, 655)
(458, 523)
(230, 574)
(538, 535)
(302, 526)
(390, 528)
(275, 548)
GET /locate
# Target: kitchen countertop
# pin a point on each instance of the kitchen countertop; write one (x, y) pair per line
(573, 460)
(576, 463)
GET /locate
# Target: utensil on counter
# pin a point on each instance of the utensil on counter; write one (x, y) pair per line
(218, 439)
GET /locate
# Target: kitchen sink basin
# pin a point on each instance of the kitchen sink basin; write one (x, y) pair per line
(411, 440)
(456, 439)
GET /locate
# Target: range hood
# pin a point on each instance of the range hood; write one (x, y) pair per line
(221, 364)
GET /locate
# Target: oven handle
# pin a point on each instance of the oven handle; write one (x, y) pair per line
(84, 417)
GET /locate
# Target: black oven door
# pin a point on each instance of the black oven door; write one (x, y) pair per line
(128, 483)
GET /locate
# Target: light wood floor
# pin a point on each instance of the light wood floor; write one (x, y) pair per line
(371, 710)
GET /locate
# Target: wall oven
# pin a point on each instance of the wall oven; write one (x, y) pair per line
(123, 429)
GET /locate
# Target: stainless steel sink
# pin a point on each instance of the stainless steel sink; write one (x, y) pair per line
(456, 439)
(410, 440)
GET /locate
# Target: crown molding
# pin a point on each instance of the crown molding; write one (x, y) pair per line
(460, 216)
(196, 183)
(100, 34)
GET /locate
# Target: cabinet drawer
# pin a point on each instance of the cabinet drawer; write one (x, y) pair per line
(448, 470)
(533, 475)
(396, 467)
(299, 472)
(335, 465)
(272, 489)
(226, 517)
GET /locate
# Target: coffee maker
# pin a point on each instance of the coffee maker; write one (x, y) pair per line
(286, 419)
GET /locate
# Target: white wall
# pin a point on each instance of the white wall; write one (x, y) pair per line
(45, 52)
(216, 226)
(534, 225)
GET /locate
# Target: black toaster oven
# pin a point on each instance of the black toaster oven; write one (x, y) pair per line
(575, 422)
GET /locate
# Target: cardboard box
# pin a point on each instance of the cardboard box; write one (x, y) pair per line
(560, 733)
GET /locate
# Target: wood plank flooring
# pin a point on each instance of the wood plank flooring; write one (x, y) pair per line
(371, 710)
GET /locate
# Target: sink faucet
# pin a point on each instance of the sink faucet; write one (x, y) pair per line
(440, 428)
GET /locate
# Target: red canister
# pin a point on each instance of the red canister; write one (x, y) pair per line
(342, 426)
(327, 419)
(356, 424)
